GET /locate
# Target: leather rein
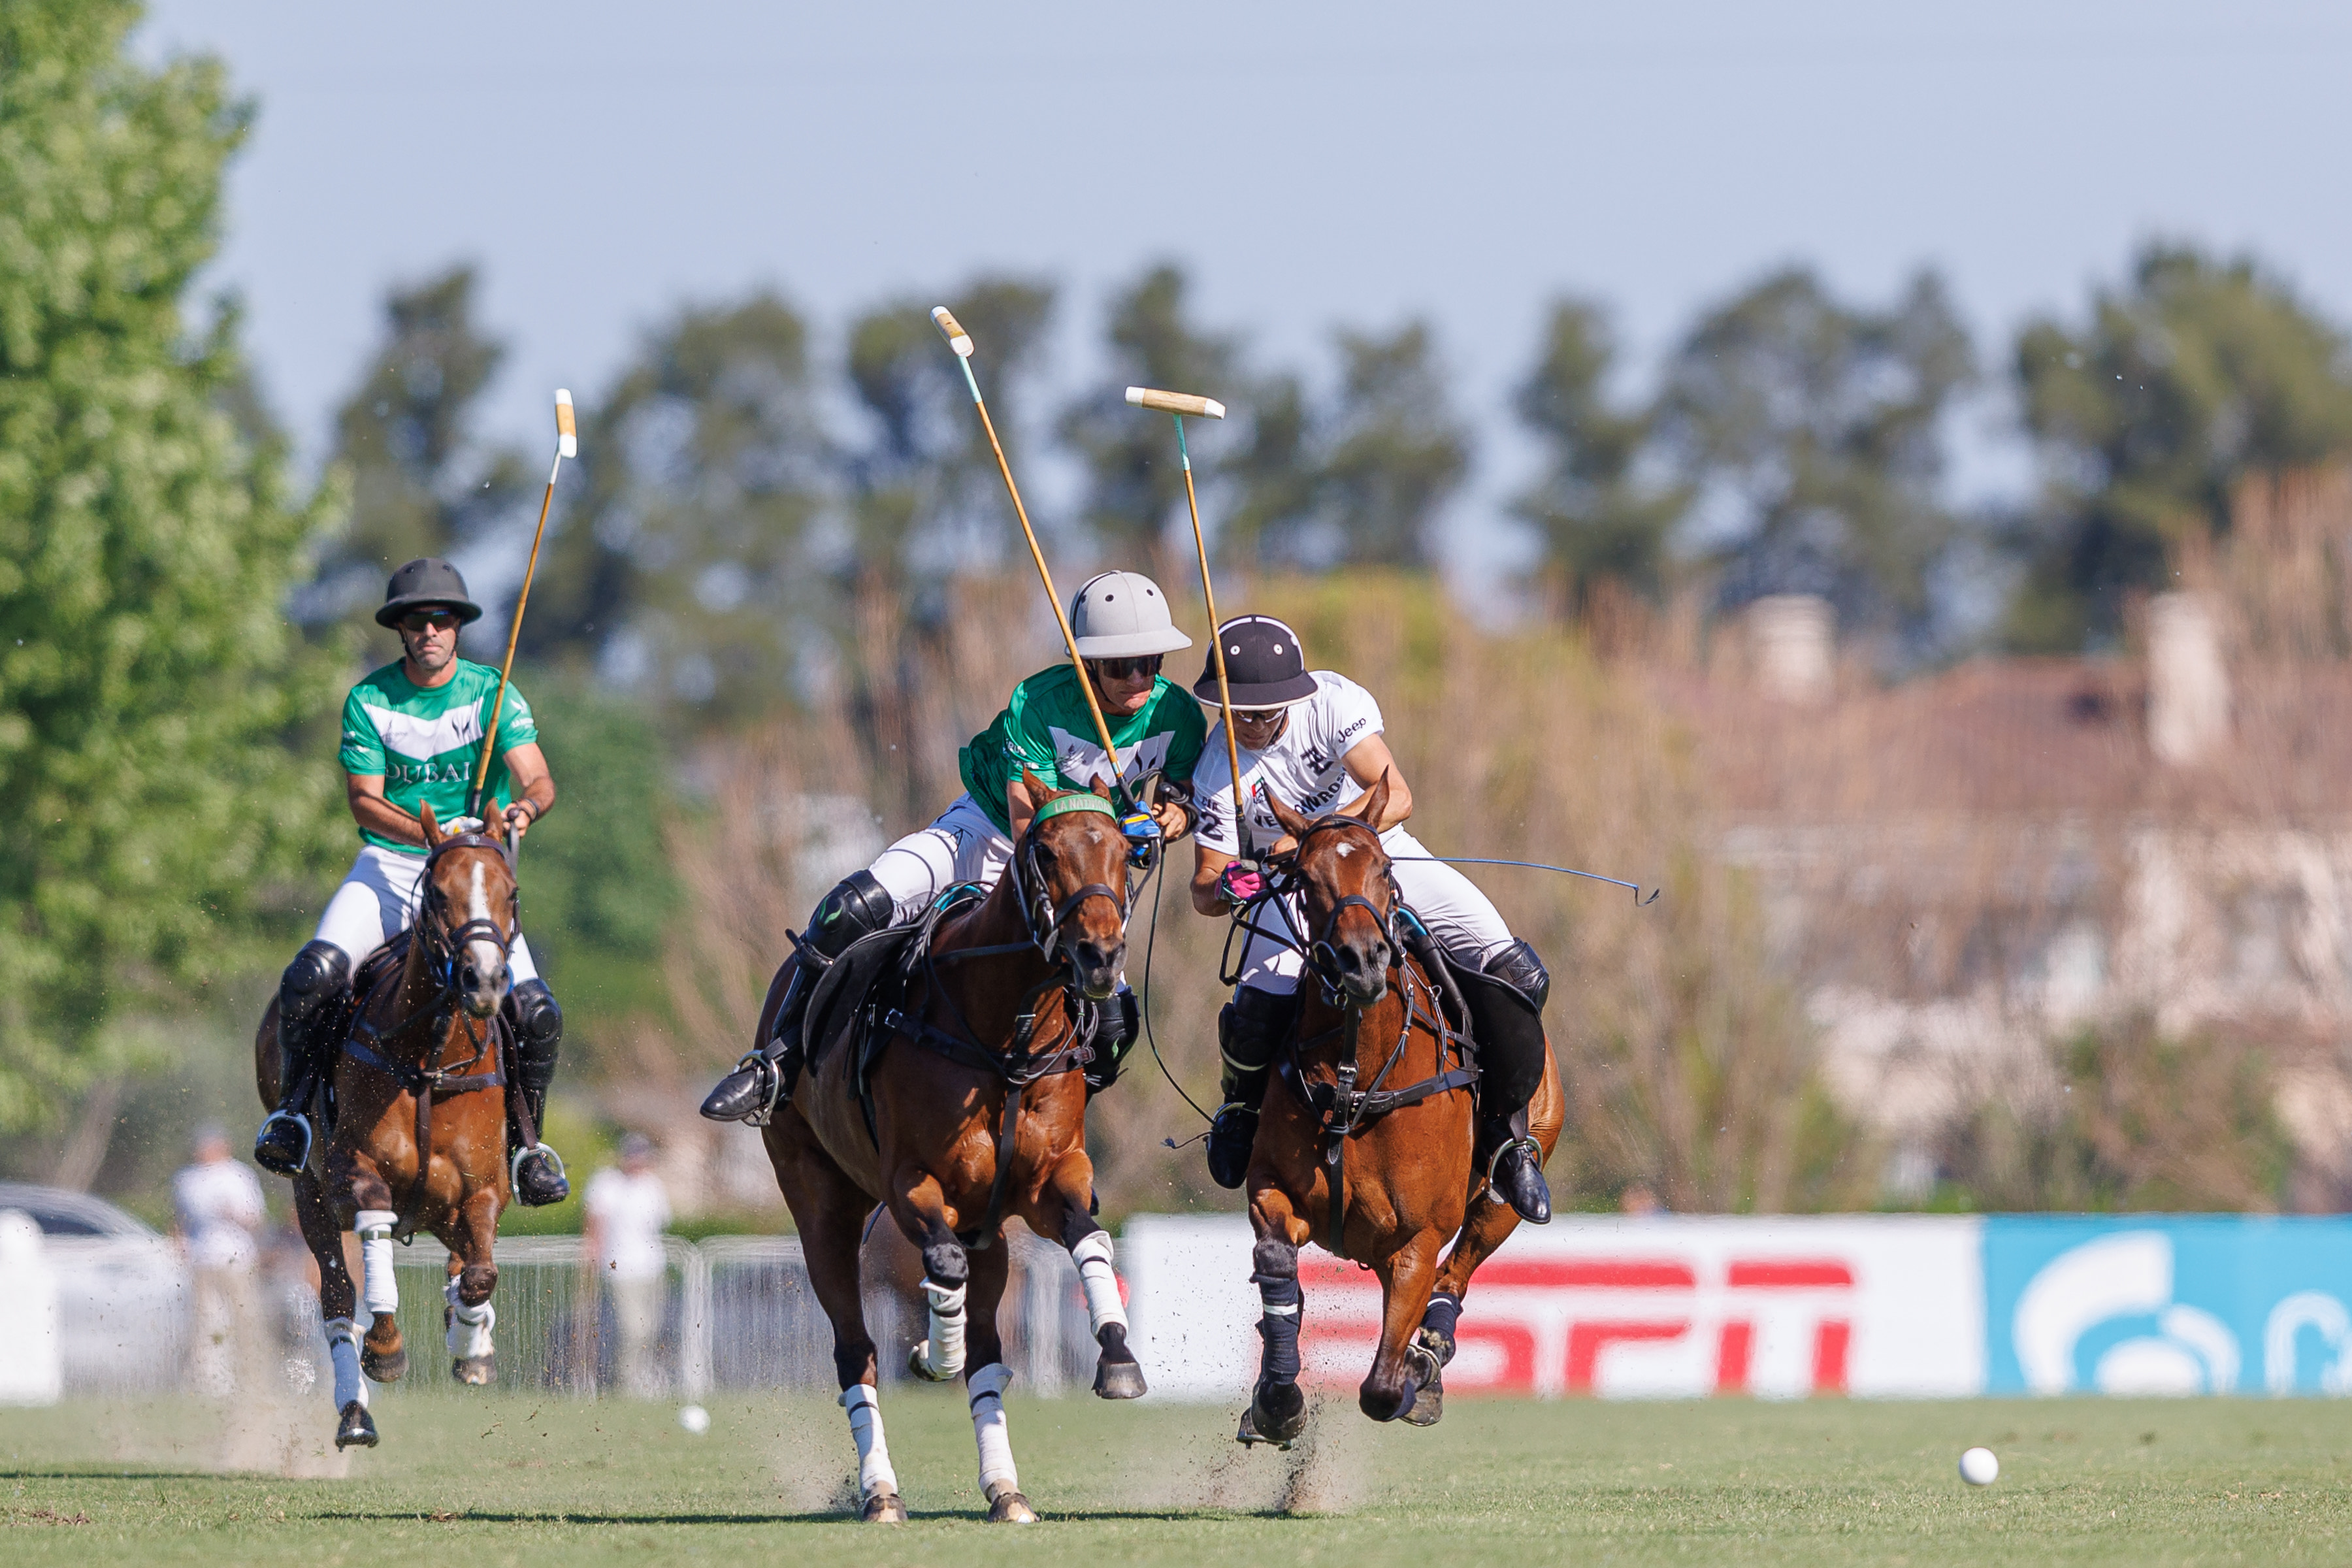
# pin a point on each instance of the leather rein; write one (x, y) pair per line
(1021, 1063)
(427, 1082)
(1346, 1110)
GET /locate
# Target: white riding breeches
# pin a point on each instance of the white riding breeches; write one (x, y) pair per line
(1463, 921)
(961, 846)
(376, 902)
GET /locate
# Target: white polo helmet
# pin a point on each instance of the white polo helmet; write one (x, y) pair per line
(1123, 614)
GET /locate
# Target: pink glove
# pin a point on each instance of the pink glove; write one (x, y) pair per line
(1240, 883)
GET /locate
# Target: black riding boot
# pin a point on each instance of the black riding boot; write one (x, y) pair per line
(538, 1170)
(1512, 1161)
(311, 1003)
(763, 1080)
(1122, 1020)
(1249, 1031)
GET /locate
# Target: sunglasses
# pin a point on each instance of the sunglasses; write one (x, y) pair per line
(1129, 668)
(423, 620)
(1257, 715)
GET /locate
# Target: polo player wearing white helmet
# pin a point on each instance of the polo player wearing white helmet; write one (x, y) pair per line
(1314, 740)
(1121, 622)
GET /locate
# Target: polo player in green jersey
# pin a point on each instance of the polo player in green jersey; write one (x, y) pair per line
(1123, 630)
(413, 735)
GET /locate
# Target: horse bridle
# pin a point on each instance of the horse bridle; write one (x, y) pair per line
(1040, 916)
(445, 942)
(1320, 954)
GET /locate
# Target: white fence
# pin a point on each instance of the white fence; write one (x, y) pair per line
(735, 1313)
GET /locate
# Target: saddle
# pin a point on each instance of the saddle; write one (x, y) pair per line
(1506, 1032)
(866, 987)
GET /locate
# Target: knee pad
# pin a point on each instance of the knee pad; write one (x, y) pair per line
(1517, 967)
(858, 906)
(317, 975)
(1251, 1027)
(539, 1034)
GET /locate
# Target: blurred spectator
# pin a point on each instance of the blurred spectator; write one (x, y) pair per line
(1639, 1202)
(216, 1208)
(628, 1209)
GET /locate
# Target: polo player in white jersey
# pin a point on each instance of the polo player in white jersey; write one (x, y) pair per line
(1123, 630)
(1314, 741)
(413, 733)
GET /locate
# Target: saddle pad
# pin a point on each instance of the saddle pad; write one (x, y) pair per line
(1509, 1036)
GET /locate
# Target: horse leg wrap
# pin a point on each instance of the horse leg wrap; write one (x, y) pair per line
(942, 1357)
(988, 1430)
(874, 1476)
(469, 1327)
(1275, 1275)
(1104, 1308)
(379, 1291)
(344, 1353)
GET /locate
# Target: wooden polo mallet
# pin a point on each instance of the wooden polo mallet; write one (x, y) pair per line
(961, 341)
(567, 445)
(1176, 405)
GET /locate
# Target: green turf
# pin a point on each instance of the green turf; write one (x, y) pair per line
(496, 1480)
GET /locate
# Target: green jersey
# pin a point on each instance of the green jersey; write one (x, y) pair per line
(426, 742)
(1047, 729)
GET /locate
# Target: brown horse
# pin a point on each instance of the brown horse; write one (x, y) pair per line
(1366, 1146)
(977, 1108)
(421, 1071)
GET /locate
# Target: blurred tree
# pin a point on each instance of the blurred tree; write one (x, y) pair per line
(421, 483)
(146, 548)
(2193, 374)
(924, 499)
(925, 495)
(678, 564)
(599, 892)
(1390, 453)
(1135, 488)
(1596, 521)
(1807, 434)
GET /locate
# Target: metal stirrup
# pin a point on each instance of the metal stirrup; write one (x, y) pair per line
(299, 1120)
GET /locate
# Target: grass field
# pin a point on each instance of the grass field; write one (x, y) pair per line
(499, 1481)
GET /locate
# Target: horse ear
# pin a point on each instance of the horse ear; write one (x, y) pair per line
(432, 828)
(1292, 823)
(1376, 803)
(1039, 790)
(1104, 790)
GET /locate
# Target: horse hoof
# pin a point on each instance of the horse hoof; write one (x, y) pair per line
(884, 1508)
(1119, 1379)
(475, 1371)
(1009, 1508)
(1429, 1374)
(1277, 1413)
(1248, 1435)
(382, 1367)
(1428, 1406)
(357, 1428)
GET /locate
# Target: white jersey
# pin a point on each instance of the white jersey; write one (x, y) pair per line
(1303, 767)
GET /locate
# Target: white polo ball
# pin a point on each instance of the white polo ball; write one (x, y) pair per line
(1978, 1468)
(696, 1421)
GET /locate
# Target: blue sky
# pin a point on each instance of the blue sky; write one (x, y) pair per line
(1312, 164)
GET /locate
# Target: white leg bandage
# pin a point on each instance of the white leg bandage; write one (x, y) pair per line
(379, 1292)
(343, 1351)
(469, 1327)
(874, 1475)
(942, 1357)
(988, 1430)
(1095, 1272)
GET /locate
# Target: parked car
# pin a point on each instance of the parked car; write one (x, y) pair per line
(122, 1291)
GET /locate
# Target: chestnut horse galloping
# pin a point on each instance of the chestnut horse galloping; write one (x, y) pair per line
(1365, 1145)
(974, 1108)
(419, 1138)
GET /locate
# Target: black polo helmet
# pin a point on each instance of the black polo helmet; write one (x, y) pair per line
(424, 583)
(1265, 667)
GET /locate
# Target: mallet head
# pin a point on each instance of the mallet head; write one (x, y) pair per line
(567, 433)
(957, 339)
(1176, 402)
